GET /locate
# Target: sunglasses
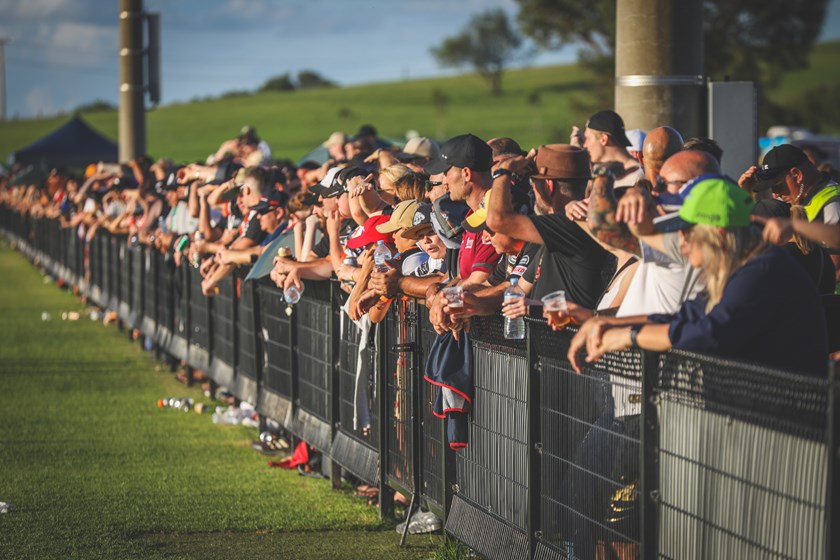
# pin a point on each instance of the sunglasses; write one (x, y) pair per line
(432, 184)
(662, 184)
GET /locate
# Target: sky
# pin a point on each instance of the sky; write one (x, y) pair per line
(64, 53)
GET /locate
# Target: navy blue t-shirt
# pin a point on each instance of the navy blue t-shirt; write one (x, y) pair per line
(770, 314)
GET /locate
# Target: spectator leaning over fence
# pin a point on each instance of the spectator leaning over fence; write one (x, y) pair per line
(605, 140)
(464, 163)
(791, 176)
(334, 197)
(255, 185)
(272, 213)
(571, 260)
(741, 315)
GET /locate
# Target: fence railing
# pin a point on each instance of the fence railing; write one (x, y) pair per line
(645, 455)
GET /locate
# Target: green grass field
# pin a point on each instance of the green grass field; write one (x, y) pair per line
(536, 108)
(95, 470)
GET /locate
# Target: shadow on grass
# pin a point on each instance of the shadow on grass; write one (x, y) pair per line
(288, 544)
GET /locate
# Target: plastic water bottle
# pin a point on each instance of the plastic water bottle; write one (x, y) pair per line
(292, 294)
(514, 328)
(198, 237)
(380, 255)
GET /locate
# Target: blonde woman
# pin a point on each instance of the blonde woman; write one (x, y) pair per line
(760, 305)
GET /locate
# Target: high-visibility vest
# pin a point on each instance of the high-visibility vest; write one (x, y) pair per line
(815, 205)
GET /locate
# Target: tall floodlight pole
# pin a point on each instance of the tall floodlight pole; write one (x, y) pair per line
(132, 109)
(659, 65)
(3, 43)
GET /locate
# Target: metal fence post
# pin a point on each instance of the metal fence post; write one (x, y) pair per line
(535, 448)
(386, 493)
(335, 381)
(832, 501)
(649, 459)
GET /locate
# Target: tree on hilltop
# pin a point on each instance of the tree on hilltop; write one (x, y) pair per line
(488, 43)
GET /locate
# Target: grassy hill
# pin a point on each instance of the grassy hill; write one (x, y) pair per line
(536, 108)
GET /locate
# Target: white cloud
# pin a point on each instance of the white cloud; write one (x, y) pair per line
(86, 44)
(39, 101)
(32, 9)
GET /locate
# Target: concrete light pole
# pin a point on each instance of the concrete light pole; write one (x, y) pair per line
(659, 65)
(132, 120)
(3, 42)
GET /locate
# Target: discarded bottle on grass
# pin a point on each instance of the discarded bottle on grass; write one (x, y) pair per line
(292, 294)
(183, 404)
(46, 316)
(514, 328)
(380, 255)
(70, 316)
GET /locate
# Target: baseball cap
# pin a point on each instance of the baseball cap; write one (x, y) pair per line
(714, 200)
(275, 199)
(368, 233)
(421, 222)
(337, 138)
(776, 164)
(419, 147)
(562, 161)
(329, 185)
(401, 217)
(611, 123)
(466, 150)
(637, 138)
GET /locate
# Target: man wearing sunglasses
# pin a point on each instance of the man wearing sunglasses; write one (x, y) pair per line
(791, 177)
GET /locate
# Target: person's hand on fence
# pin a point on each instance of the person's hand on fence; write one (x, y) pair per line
(386, 283)
(589, 334)
(293, 279)
(577, 210)
(208, 287)
(437, 317)
(225, 256)
(610, 340)
(517, 307)
(205, 267)
(362, 305)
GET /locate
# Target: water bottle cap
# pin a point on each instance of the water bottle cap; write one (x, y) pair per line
(380, 242)
(514, 280)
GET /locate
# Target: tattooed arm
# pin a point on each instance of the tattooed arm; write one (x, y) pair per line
(602, 217)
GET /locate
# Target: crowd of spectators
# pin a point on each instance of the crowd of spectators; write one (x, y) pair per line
(653, 246)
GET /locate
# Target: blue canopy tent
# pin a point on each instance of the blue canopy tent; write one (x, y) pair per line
(74, 144)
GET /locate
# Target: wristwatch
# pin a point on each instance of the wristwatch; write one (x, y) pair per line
(501, 172)
(634, 335)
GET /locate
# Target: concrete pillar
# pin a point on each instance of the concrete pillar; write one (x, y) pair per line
(132, 110)
(659, 65)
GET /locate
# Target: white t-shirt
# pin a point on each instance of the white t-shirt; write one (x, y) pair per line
(661, 284)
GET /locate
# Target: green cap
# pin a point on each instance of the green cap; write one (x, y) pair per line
(716, 200)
